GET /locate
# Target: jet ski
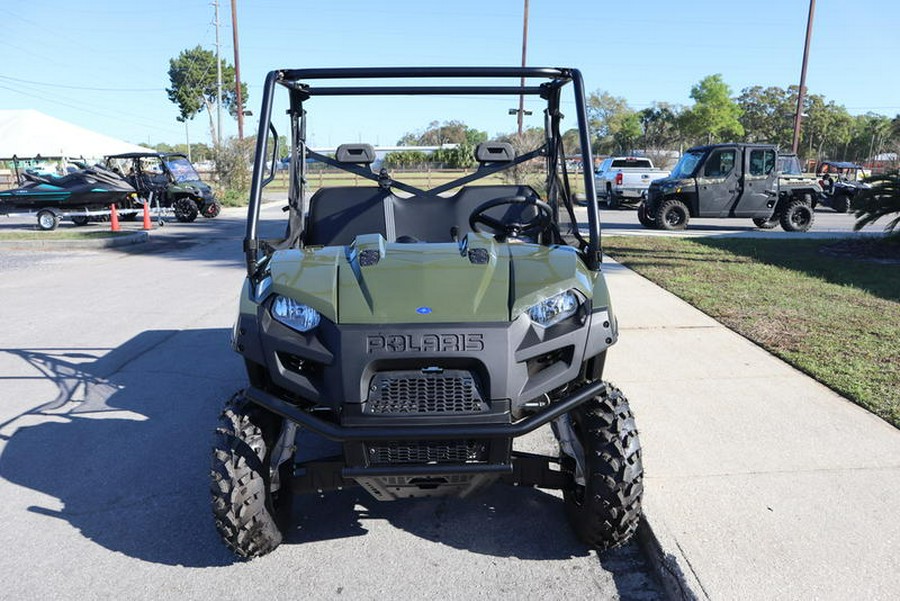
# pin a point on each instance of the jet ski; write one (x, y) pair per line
(81, 194)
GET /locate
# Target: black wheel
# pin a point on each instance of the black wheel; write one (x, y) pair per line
(212, 210)
(129, 216)
(797, 216)
(185, 210)
(604, 510)
(644, 217)
(840, 203)
(47, 220)
(249, 516)
(672, 214)
(612, 201)
(80, 219)
(765, 224)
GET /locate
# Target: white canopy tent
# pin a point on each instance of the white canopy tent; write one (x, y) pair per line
(29, 133)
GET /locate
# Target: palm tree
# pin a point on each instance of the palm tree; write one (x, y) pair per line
(882, 199)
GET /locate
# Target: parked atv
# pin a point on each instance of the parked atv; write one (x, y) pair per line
(730, 180)
(423, 329)
(840, 181)
(168, 180)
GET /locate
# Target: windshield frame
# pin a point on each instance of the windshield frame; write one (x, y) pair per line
(185, 171)
(678, 170)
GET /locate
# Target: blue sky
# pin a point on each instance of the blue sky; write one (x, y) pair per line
(104, 65)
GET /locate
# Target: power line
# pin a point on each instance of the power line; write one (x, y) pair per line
(59, 85)
(122, 118)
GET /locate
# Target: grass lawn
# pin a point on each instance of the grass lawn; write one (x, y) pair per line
(837, 319)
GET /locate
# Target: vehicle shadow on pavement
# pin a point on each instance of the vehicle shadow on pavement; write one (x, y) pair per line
(502, 521)
(217, 240)
(125, 444)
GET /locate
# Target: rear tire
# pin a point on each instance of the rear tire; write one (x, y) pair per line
(605, 511)
(672, 215)
(212, 210)
(840, 203)
(798, 216)
(765, 224)
(644, 217)
(250, 518)
(80, 220)
(47, 220)
(185, 210)
(612, 201)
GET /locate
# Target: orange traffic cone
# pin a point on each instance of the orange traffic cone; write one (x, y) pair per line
(113, 219)
(147, 214)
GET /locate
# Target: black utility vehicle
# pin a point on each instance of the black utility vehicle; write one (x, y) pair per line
(168, 180)
(424, 329)
(730, 180)
(841, 182)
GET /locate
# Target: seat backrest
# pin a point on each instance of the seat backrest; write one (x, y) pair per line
(337, 215)
(428, 219)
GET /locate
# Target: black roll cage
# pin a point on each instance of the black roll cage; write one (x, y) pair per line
(300, 90)
(162, 156)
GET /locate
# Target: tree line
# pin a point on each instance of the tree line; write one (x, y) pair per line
(757, 114)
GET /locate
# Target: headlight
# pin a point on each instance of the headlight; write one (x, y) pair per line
(553, 310)
(295, 315)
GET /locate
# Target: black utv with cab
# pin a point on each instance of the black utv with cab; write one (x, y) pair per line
(730, 180)
(423, 330)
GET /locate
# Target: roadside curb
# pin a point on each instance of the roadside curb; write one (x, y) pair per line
(668, 562)
(67, 244)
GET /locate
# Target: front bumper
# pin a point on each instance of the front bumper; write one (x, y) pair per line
(343, 433)
(490, 455)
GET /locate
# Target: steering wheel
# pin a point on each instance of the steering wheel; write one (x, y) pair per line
(512, 229)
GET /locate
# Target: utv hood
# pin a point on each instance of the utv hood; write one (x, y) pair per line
(477, 280)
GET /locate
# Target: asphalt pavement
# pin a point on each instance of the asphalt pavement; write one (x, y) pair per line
(115, 364)
(760, 482)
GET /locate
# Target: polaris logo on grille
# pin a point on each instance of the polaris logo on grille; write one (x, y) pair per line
(428, 343)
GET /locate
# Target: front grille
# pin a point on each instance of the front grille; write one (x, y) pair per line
(414, 392)
(426, 451)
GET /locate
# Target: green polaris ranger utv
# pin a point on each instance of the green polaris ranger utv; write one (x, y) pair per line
(421, 330)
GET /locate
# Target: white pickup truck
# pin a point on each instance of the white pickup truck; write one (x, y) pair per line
(624, 180)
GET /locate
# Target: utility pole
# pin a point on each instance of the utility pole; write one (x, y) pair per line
(218, 139)
(522, 81)
(237, 71)
(187, 139)
(802, 91)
